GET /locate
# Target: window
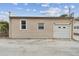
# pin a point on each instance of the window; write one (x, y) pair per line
(59, 27)
(64, 27)
(40, 26)
(76, 27)
(23, 24)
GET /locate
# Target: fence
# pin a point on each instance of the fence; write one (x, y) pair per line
(4, 34)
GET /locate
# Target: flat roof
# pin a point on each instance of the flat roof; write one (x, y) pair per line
(38, 17)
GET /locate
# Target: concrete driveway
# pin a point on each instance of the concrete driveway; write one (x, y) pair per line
(38, 47)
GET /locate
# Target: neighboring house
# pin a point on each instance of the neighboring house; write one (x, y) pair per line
(40, 27)
(76, 26)
(76, 29)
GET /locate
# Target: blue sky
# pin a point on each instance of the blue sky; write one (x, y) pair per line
(37, 9)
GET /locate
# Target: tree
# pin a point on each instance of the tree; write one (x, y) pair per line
(64, 15)
(4, 26)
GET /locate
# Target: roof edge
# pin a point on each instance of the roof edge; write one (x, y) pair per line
(38, 17)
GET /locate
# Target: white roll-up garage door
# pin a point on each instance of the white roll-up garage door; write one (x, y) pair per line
(62, 31)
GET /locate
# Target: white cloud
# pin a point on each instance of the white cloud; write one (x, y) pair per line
(7, 13)
(4, 13)
(3, 17)
(27, 9)
(72, 6)
(15, 3)
(65, 11)
(25, 4)
(1, 12)
(45, 5)
(19, 8)
(13, 14)
(52, 12)
(65, 7)
(34, 10)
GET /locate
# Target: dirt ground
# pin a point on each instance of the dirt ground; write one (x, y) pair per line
(38, 47)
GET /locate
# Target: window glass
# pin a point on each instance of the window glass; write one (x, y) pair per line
(64, 27)
(40, 26)
(76, 27)
(23, 24)
(59, 27)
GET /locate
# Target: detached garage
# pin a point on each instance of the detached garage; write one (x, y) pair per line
(40, 27)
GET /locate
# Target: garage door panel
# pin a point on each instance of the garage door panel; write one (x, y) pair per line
(61, 31)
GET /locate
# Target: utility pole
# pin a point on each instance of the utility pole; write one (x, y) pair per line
(69, 12)
(71, 15)
(9, 13)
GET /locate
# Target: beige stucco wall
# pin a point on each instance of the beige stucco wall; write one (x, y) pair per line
(32, 31)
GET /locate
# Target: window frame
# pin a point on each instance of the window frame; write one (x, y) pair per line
(21, 24)
(76, 27)
(40, 29)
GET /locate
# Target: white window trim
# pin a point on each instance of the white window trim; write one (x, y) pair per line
(20, 24)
